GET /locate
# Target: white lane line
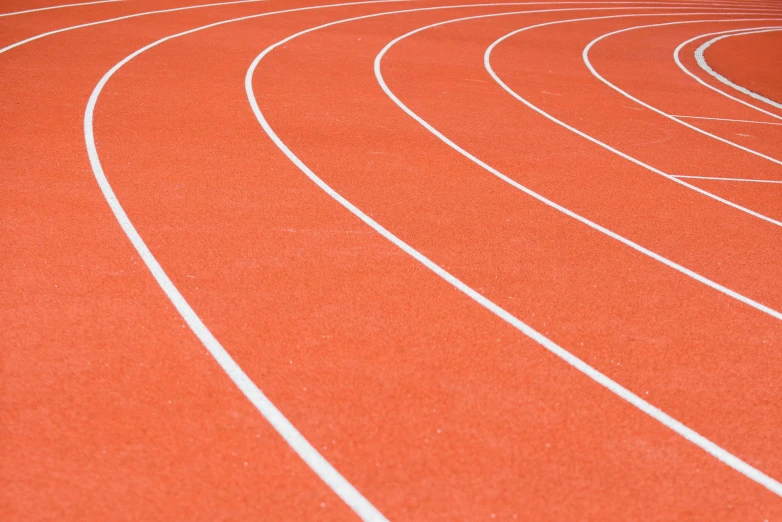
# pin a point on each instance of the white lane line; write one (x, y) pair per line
(585, 55)
(706, 84)
(487, 64)
(727, 119)
(59, 7)
(635, 246)
(704, 5)
(125, 17)
(616, 388)
(344, 489)
(705, 66)
(732, 179)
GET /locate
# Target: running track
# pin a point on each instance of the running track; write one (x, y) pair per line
(421, 260)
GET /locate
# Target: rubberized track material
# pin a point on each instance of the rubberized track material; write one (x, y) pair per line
(404, 260)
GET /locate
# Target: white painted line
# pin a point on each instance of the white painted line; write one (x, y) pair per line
(616, 388)
(218, 4)
(727, 119)
(487, 64)
(635, 246)
(59, 7)
(119, 18)
(732, 179)
(597, 75)
(705, 66)
(705, 84)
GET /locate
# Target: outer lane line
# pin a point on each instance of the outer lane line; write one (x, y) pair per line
(585, 55)
(487, 64)
(654, 412)
(704, 5)
(706, 84)
(126, 17)
(732, 179)
(344, 489)
(635, 246)
(705, 66)
(59, 7)
(727, 119)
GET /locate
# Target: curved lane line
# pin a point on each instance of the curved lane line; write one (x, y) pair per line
(704, 5)
(616, 388)
(585, 55)
(126, 17)
(51, 7)
(705, 66)
(635, 246)
(487, 65)
(706, 84)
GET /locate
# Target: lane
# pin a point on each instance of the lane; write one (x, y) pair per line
(111, 408)
(752, 70)
(358, 303)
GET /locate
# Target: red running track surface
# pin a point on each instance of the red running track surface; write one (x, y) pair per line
(430, 403)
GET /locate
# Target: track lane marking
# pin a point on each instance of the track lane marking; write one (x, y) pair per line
(49, 8)
(705, 66)
(687, 433)
(127, 17)
(705, 5)
(585, 56)
(678, 61)
(487, 64)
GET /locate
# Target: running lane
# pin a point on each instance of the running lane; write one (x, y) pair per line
(428, 404)
(111, 409)
(751, 61)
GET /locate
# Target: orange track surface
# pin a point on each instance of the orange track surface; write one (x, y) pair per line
(428, 404)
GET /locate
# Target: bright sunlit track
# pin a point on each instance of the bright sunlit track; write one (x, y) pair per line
(391, 260)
